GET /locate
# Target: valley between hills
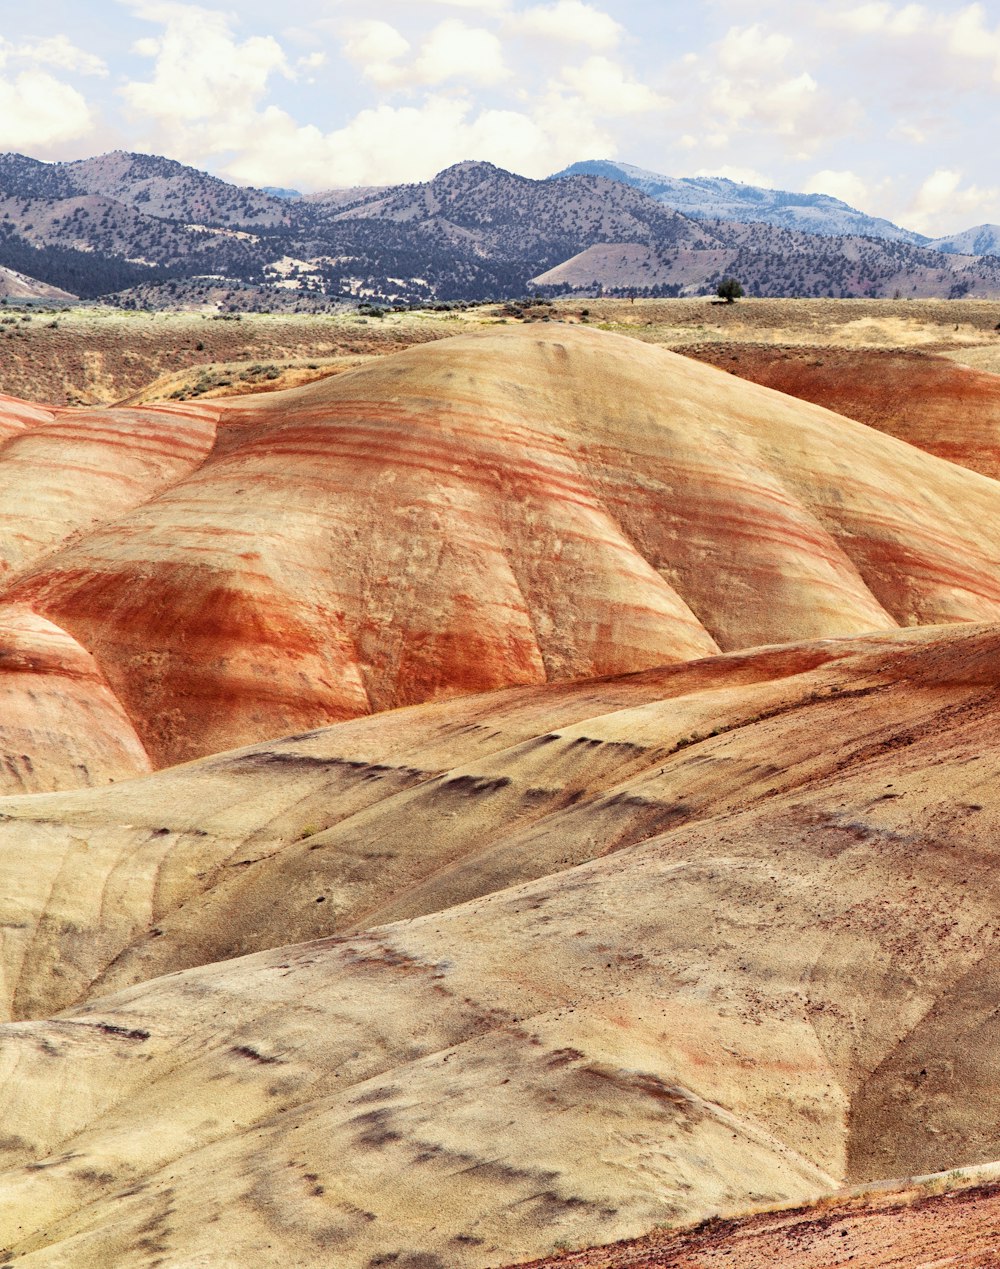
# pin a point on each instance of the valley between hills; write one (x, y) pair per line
(480, 787)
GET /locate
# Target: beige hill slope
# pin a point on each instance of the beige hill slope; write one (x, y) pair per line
(21, 287)
(685, 976)
(508, 507)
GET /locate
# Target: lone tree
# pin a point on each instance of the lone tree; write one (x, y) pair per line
(729, 289)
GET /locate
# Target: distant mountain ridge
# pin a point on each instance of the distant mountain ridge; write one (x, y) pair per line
(147, 231)
(718, 198)
(981, 240)
(146, 182)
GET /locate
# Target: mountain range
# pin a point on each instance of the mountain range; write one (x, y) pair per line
(146, 231)
(718, 198)
(982, 240)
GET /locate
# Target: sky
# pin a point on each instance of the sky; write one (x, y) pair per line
(893, 107)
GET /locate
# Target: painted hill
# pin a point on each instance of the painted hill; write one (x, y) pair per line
(948, 1219)
(621, 920)
(521, 505)
(937, 404)
(703, 938)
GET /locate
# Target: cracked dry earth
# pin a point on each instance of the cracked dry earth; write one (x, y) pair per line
(661, 925)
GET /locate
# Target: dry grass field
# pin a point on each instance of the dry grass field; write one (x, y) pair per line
(98, 356)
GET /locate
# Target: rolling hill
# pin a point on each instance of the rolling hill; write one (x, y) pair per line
(585, 819)
(981, 240)
(18, 286)
(520, 505)
(941, 406)
(633, 971)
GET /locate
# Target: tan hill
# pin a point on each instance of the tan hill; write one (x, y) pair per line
(88, 356)
(18, 286)
(723, 938)
(771, 261)
(943, 407)
(518, 506)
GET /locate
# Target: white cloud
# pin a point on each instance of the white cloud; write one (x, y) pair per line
(451, 51)
(210, 100)
(407, 143)
(970, 37)
(375, 47)
(481, 6)
(943, 45)
(845, 185)
(940, 203)
(59, 51)
(753, 50)
(871, 19)
(201, 70)
(779, 106)
(572, 21)
(37, 111)
(754, 82)
(911, 132)
(456, 51)
(607, 88)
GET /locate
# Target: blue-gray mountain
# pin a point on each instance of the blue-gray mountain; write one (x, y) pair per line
(981, 240)
(139, 229)
(717, 198)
